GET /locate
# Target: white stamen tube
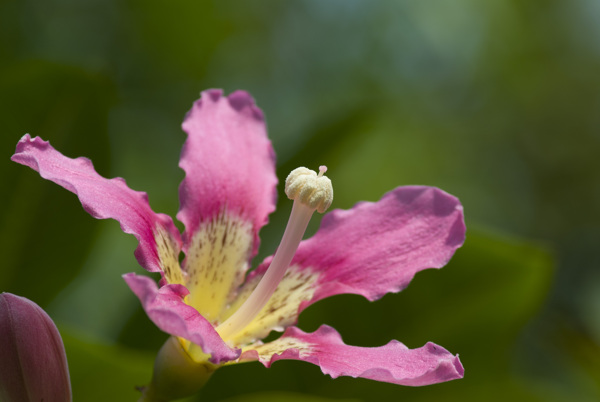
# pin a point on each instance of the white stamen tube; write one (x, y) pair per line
(310, 192)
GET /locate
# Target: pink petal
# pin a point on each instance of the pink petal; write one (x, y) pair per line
(166, 308)
(228, 161)
(33, 364)
(393, 363)
(104, 198)
(376, 248)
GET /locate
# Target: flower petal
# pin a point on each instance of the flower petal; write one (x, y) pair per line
(166, 308)
(370, 250)
(393, 363)
(377, 248)
(229, 163)
(159, 240)
(226, 196)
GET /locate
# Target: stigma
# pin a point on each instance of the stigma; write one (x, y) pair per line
(314, 191)
(310, 192)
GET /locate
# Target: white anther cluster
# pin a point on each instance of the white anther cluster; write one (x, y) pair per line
(312, 190)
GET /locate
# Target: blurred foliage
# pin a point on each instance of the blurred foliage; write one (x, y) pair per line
(284, 396)
(67, 102)
(496, 102)
(101, 372)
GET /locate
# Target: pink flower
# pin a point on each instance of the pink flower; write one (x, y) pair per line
(226, 197)
(33, 364)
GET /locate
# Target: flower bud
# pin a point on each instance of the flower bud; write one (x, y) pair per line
(33, 363)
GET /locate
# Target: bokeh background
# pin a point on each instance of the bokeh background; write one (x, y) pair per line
(497, 102)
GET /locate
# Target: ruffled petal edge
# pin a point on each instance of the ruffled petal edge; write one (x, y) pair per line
(159, 239)
(393, 363)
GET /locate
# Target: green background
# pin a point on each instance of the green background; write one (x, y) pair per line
(496, 102)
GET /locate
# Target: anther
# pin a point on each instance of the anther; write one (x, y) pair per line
(311, 189)
(310, 192)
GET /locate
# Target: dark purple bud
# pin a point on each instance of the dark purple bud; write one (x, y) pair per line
(33, 363)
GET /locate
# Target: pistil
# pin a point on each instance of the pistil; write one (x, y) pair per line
(310, 192)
